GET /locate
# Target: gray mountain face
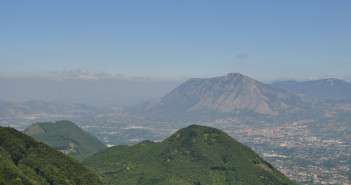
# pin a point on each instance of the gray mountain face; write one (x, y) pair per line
(8, 108)
(332, 88)
(229, 94)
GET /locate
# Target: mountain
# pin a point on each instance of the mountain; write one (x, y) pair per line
(332, 88)
(38, 111)
(66, 137)
(232, 94)
(39, 107)
(26, 161)
(193, 155)
(93, 90)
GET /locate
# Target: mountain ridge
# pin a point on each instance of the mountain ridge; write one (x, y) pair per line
(193, 155)
(67, 137)
(331, 88)
(26, 161)
(232, 94)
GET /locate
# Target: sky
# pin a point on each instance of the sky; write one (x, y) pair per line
(266, 40)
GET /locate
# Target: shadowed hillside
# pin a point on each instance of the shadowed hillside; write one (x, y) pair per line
(26, 161)
(66, 137)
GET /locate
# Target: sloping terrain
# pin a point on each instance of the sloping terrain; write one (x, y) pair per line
(9, 108)
(193, 155)
(26, 161)
(332, 88)
(233, 94)
(66, 137)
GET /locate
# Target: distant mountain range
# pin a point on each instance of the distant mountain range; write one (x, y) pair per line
(232, 94)
(66, 137)
(92, 90)
(231, 102)
(8, 108)
(26, 161)
(193, 155)
(332, 88)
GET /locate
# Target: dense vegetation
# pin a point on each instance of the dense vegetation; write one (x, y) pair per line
(193, 155)
(26, 161)
(66, 137)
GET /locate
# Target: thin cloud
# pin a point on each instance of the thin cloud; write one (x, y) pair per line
(243, 55)
(83, 74)
(79, 74)
(327, 77)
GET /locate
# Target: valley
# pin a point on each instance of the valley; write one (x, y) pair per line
(175, 92)
(310, 148)
(298, 149)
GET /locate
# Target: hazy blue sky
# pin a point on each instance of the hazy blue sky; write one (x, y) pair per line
(267, 40)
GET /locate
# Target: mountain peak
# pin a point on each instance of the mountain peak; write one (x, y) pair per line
(194, 130)
(199, 129)
(67, 137)
(184, 138)
(233, 75)
(231, 94)
(193, 155)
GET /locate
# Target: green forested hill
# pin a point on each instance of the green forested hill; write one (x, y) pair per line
(193, 155)
(66, 137)
(26, 161)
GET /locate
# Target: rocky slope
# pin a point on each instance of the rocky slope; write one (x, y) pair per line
(232, 94)
(332, 88)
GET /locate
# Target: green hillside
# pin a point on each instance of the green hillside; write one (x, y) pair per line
(193, 155)
(66, 137)
(26, 161)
